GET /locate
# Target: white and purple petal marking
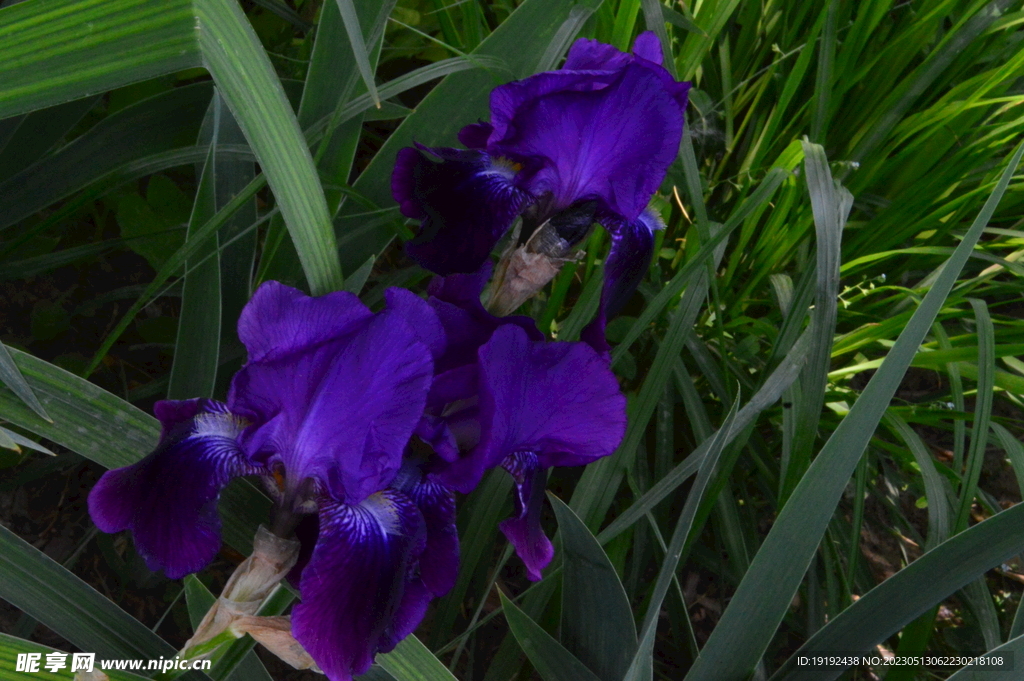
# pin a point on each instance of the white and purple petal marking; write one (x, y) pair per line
(169, 499)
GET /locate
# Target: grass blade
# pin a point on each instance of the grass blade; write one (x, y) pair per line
(549, 658)
(413, 661)
(912, 591)
(982, 413)
(154, 125)
(197, 349)
(54, 51)
(37, 585)
(559, 44)
(768, 394)
(640, 666)
(830, 209)
(359, 51)
(939, 512)
(597, 620)
(247, 82)
(763, 596)
(12, 378)
(936, 63)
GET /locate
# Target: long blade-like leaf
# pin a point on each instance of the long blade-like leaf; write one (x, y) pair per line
(42, 588)
(359, 52)
(888, 607)
(246, 79)
(763, 596)
(12, 378)
(597, 620)
(549, 658)
(412, 661)
(11, 647)
(91, 46)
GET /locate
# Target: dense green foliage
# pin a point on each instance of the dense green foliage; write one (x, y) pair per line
(827, 343)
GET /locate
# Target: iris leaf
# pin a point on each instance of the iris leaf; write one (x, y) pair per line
(11, 377)
(597, 620)
(895, 602)
(11, 647)
(46, 591)
(549, 658)
(413, 661)
(767, 588)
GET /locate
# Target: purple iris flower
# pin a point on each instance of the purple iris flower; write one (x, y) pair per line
(506, 397)
(589, 142)
(324, 411)
(326, 403)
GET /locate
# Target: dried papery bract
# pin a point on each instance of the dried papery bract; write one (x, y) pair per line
(250, 585)
(275, 634)
(525, 269)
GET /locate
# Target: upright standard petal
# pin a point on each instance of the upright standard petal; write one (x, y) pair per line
(169, 499)
(280, 320)
(613, 144)
(353, 587)
(465, 199)
(340, 412)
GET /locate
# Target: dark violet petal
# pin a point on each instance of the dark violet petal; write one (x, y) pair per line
(628, 259)
(434, 431)
(280, 320)
(474, 135)
(439, 563)
(420, 317)
(354, 585)
(467, 324)
(413, 606)
(507, 101)
(169, 499)
(591, 55)
(462, 290)
(613, 144)
(176, 416)
(647, 46)
(593, 335)
(559, 400)
(465, 199)
(341, 412)
(403, 182)
(524, 531)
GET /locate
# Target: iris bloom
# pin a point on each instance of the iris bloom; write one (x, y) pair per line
(589, 142)
(327, 403)
(506, 397)
(324, 411)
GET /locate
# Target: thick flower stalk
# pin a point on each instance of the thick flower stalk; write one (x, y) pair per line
(563, 149)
